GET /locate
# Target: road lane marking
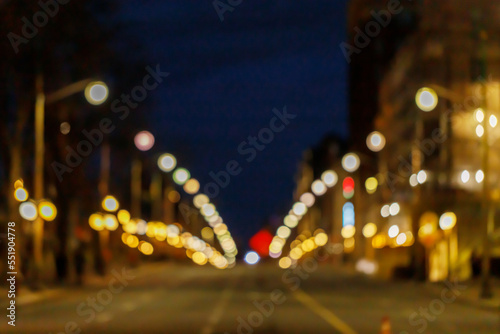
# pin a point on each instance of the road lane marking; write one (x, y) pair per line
(323, 312)
(218, 312)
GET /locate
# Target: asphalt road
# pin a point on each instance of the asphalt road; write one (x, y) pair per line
(173, 298)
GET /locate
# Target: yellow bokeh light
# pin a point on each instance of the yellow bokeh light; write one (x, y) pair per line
(174, 196)
(369, 230)
(283, 232)
(207, 233)
(371, 185)
(447, 221)
(349, 245)
(110, 203)
(19, 184)
(285, 263)
(308, 246)
(291, 221)
(96, 222)
(321, 239)
(348, 231)
(145, 248)
(110, 222)
(96, 92)
(208, 210)
(123, 216)
(199, 258)
(379, 241)
(21, 194)
(200, 200)
(47, 210)
(296, 253)
(192, 186)
(132, 241)
(125, 237)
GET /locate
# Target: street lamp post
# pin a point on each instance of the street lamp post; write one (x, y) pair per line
(41, 99)
(144, 141)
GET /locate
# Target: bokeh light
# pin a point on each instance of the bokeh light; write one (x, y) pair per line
(375, 141)
(28, 210)
(252, 258)
(329, 178)
(181, 176)
(21, 194)
(47, 210)
(96, 92)
(426, 99)
(167, 162)
(350, 162)
(192, 186)
(144, 141)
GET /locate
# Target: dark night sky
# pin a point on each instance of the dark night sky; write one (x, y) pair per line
(226, 77)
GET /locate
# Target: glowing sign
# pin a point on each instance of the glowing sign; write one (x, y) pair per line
(348, 214)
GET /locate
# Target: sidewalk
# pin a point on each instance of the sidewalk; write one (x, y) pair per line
(25, 295)
(470, 294)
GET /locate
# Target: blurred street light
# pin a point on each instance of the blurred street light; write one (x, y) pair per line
(371, 185)
(375, 141)
(110, 203)
(21, 194)
(422, 176)
(123, 216)
(479, 115)
(167, 162)
(329, 178)
(252, 258)
(369, 230)
(350, 162)
(426, 99)
(96, 92)
(318, 188)
(28, 210)
(47, 210)
(465, 176)
(181, 175)
(393, 231)
(447, 221)
(479, 130)
(299, 209)
(308, 199)
(192, 186)
(110, 222)
(144, 141)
